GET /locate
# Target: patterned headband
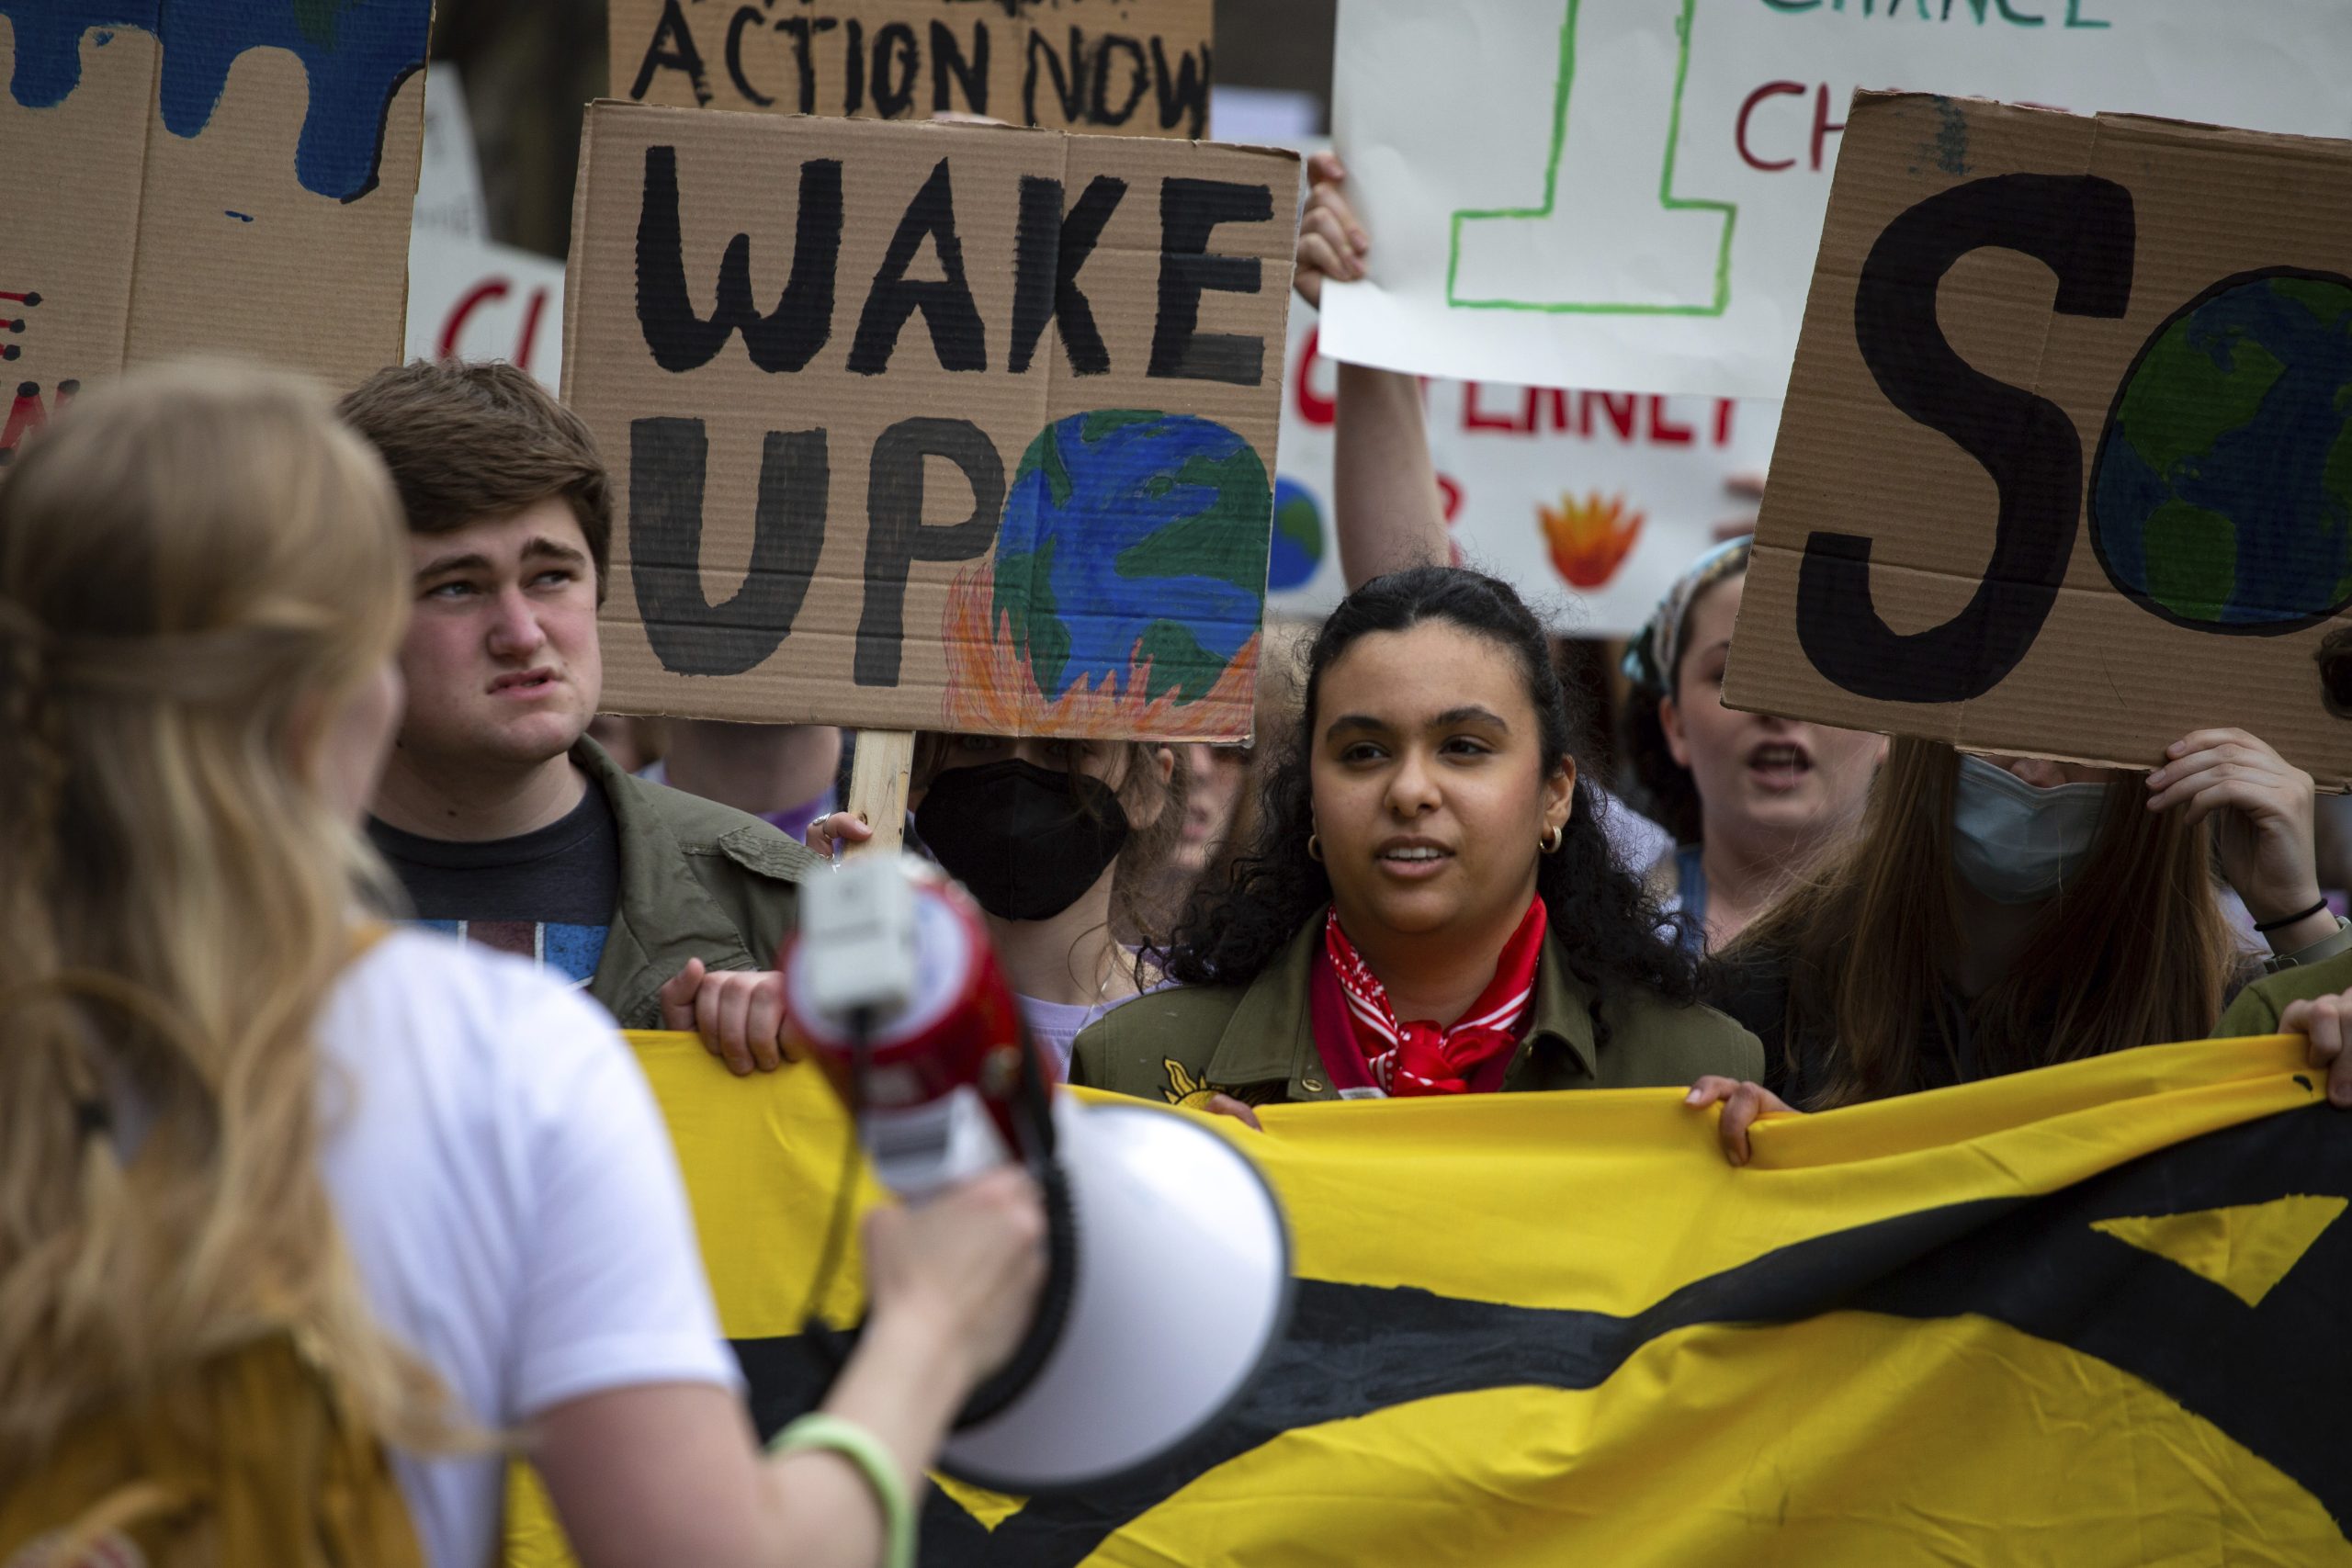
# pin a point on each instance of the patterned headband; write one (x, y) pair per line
(1656, 648)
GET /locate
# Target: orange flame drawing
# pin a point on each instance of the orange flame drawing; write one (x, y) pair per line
(1590, 538)
(991, 690)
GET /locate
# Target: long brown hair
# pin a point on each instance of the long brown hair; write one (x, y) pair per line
(2136, 952)
(200, 569)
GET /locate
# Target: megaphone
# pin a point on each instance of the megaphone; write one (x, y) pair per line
(1169, 1276)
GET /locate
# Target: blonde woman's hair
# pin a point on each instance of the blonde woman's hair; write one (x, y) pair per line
(200, 570)
(2134, 952)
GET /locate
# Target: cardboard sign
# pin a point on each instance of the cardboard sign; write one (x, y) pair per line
(203, 175)
(2066, 465)
(931, 426)
(1628, 193)
(1133, 67)
(1589, 503)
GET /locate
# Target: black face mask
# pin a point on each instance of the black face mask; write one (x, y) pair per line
(1026, 841)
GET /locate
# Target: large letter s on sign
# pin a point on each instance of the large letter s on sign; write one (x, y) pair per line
(2082, 228)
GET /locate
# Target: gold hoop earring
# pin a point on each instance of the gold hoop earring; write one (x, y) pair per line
(1314, 849)
(1550, 843)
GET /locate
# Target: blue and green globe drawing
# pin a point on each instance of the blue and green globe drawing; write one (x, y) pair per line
(2221, 495)
(1298, 537)
(1132, 535)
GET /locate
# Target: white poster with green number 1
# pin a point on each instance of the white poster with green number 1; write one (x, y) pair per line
(1628, 194)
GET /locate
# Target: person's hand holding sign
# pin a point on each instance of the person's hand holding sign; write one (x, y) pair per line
(2326, 1024)
(1743, 1103)
(1331, 243)
(2263, 831)
(738, 1012)
(828, 836)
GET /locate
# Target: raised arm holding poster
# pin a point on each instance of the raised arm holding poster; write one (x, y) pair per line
(1129, 67)
(1628, 193)
(2077, 523)
(199, 176)
(931, 426)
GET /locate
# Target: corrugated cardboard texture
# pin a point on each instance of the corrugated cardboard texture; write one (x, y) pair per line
(203, 175)
(1129, 67)
(881, 488)
(2166, 392)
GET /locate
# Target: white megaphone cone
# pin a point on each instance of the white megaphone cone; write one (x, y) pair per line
(1170, 1280)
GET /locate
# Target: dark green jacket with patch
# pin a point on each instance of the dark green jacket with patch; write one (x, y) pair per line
(697, 880)
(2256, 1008)
(1255, 1043)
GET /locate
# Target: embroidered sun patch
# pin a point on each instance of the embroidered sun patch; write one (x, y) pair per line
(1184, 1089)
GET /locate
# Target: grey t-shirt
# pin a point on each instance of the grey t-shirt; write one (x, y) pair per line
(547, 896)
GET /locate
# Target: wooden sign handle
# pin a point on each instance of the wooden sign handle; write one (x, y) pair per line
(877, 786)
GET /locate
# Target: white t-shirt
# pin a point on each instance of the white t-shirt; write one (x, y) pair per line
(506, 1186)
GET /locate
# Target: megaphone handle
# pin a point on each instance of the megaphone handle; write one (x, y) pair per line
(1036, 1115)
(833, 1346)
(1053, 1303)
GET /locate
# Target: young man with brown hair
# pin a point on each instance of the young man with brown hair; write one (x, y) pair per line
(506, 825)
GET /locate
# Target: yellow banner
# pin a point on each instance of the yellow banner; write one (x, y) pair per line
(2091, 1316)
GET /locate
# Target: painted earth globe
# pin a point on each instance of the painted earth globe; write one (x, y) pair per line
(1298, 537)
(2222, 494)
(1133, 537)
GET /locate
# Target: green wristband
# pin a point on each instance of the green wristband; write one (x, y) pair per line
(864, 1450)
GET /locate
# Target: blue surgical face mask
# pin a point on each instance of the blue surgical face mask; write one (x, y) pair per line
(2017, 844)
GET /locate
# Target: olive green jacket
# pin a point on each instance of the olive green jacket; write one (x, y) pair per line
(697, 880)
(2256, 1008)
(1255, 1043)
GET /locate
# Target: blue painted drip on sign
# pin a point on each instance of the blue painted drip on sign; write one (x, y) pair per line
(357, 53)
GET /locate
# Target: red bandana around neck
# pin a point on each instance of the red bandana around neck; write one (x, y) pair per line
(1366, 1047)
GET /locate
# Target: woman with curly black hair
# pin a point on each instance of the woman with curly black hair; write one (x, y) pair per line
(1429, 904)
